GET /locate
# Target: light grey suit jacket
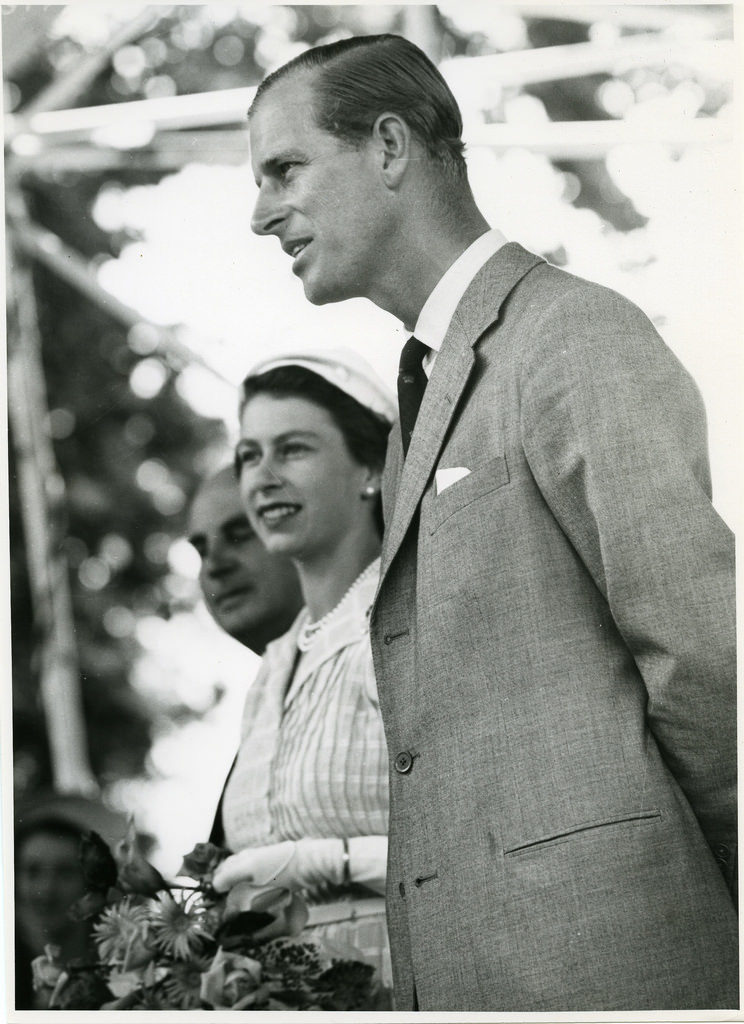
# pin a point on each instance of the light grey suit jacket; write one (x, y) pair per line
(553, 644)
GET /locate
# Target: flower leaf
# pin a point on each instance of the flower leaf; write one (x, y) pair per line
(231, 934)
(89, 905)
(82, 989)
(98, 864)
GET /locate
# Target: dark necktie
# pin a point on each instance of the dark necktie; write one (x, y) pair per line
(411, 386)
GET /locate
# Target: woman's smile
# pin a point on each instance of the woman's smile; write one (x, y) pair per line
(275, 514)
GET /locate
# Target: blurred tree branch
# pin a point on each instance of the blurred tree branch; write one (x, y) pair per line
(65, 89)
(41, 487)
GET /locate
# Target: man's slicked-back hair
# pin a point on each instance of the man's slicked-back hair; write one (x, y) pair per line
(358, 79)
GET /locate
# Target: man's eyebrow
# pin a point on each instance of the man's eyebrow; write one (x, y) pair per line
(271, 164)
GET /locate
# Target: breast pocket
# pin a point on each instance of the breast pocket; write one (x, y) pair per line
(483, 480)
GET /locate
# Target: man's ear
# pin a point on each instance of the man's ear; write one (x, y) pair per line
(393, 142)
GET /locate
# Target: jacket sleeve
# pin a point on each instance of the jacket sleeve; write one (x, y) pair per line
(614, 432)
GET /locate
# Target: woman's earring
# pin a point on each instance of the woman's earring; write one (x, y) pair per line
(369, 492)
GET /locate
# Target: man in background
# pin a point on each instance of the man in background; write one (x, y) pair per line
(252, 595)
(553, 633)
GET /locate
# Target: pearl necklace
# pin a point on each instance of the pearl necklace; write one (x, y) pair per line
(309, 631)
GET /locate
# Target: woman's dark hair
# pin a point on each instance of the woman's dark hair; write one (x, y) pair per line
(360, 78)
(365, 433)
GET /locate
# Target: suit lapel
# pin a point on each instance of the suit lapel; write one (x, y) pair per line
(477, 311)
(451, 372)
(391, 473)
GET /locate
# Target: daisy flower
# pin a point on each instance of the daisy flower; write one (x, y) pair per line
(122, 934)
(178, 929)
(182, 985)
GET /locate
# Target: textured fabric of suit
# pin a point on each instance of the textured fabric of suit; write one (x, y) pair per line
(553, 645)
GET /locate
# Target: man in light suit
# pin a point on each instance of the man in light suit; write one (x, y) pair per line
(553, 631)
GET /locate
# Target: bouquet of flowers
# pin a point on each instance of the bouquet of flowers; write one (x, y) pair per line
(186, 947)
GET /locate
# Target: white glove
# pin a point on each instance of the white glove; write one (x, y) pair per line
(368, 861)
(290, 865)
(306, 864)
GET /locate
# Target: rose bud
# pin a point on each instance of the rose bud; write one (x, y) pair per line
(139, 876)
(136, 874)
(202, 861)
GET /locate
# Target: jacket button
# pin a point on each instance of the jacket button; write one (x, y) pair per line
(721, 853)
(402, 890)
(403, 762)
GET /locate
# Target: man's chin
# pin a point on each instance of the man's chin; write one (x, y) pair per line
(316, 296)
(233, 624)
(320, 293)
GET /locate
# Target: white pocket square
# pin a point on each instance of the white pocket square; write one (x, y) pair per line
(444, 478)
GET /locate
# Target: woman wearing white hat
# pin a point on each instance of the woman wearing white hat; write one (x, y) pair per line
(49, 879)
(306, 805)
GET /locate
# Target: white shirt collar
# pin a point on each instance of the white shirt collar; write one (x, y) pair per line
(436, 313)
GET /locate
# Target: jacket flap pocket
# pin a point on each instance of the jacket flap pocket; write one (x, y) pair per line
(632, 817)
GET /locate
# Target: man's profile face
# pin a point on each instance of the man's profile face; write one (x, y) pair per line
(246, 589)
(322, 198)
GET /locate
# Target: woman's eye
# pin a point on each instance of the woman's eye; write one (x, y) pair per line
(293, 448)
(244, 457)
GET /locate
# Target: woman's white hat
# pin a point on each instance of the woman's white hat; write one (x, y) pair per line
(346, 370)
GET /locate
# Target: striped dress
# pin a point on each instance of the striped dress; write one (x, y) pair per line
(313, 761)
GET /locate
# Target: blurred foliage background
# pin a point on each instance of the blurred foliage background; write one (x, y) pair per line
(133, 426)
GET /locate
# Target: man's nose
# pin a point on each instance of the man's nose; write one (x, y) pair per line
(219, 557)
(267, 213)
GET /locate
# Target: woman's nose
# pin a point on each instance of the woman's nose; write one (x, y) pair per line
(262, 475)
